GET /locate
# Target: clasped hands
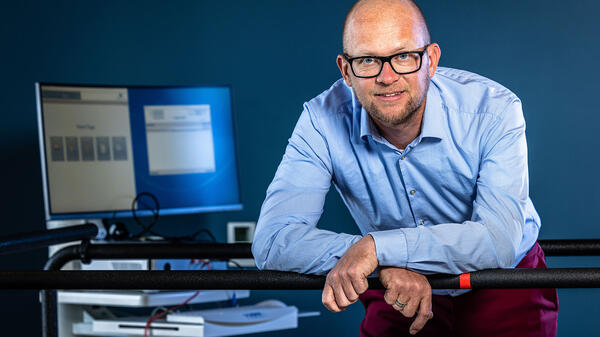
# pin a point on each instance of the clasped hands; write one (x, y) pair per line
(348, 279)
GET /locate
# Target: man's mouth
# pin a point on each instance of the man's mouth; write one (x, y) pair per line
(392, 96)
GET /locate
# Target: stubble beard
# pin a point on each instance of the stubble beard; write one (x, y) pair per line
(403, 115)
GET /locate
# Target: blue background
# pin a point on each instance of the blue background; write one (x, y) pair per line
(276, 55)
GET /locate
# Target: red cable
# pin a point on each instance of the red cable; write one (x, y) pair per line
(163, 313)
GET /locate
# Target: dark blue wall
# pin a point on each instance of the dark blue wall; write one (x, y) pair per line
(276, 55)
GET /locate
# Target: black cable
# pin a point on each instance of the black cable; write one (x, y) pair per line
(155, 214)
(204, 230)
(192, 237)
(184, 238)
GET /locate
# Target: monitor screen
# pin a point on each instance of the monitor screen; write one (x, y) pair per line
(101, 146)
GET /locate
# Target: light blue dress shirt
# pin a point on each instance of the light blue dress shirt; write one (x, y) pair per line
(455, 200)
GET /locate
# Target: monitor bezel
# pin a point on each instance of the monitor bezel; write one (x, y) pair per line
(49, 216)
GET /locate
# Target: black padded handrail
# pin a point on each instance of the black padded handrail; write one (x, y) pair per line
(266, 280)
(161, 250)
(165, 250)
(27, 241)
(572, 247)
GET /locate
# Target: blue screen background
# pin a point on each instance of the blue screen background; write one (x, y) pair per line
(196, 191)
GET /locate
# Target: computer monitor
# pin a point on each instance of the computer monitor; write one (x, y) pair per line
(101, 146)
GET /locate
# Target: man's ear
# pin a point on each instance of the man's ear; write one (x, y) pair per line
(434, 52)
(344, 67)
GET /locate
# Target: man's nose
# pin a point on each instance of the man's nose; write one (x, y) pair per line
(387, 74)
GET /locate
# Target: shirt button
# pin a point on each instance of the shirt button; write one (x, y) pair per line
(403, 157)
(412, 192)
(422, 222)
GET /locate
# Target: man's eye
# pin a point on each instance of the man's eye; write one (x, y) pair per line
(402, 57)
(368, 61)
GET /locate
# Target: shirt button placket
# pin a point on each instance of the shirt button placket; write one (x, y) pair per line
(412, 191)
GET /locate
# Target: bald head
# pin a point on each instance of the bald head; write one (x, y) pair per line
(366, 14)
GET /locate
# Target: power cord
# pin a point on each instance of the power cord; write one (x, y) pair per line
(155, 214)
(140, 199)
(194, 236)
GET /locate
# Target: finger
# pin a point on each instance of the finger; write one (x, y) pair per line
(349, 291)
(360, 284)
(424, 315)
(401, 308)
(391, 295)
(411, 307)
(340, 296)
(328, 299)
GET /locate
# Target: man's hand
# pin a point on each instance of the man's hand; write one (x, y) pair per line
(348, 278)
(410, 288)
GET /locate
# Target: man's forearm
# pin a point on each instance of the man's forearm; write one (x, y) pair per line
(300, 248)
(451, 248)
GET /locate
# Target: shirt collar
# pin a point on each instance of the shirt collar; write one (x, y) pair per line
(433, 117)
(367, 127)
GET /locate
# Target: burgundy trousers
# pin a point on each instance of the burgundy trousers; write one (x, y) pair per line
(484, 312)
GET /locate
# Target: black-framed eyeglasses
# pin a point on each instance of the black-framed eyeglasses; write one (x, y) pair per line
(402, 63)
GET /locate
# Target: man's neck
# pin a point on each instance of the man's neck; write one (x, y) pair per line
(402, 134)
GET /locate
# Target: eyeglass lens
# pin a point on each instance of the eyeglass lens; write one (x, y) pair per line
(401, 63)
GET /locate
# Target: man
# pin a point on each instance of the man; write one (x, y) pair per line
(432, 164)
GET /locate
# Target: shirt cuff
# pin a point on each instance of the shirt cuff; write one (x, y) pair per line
(391, 248)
